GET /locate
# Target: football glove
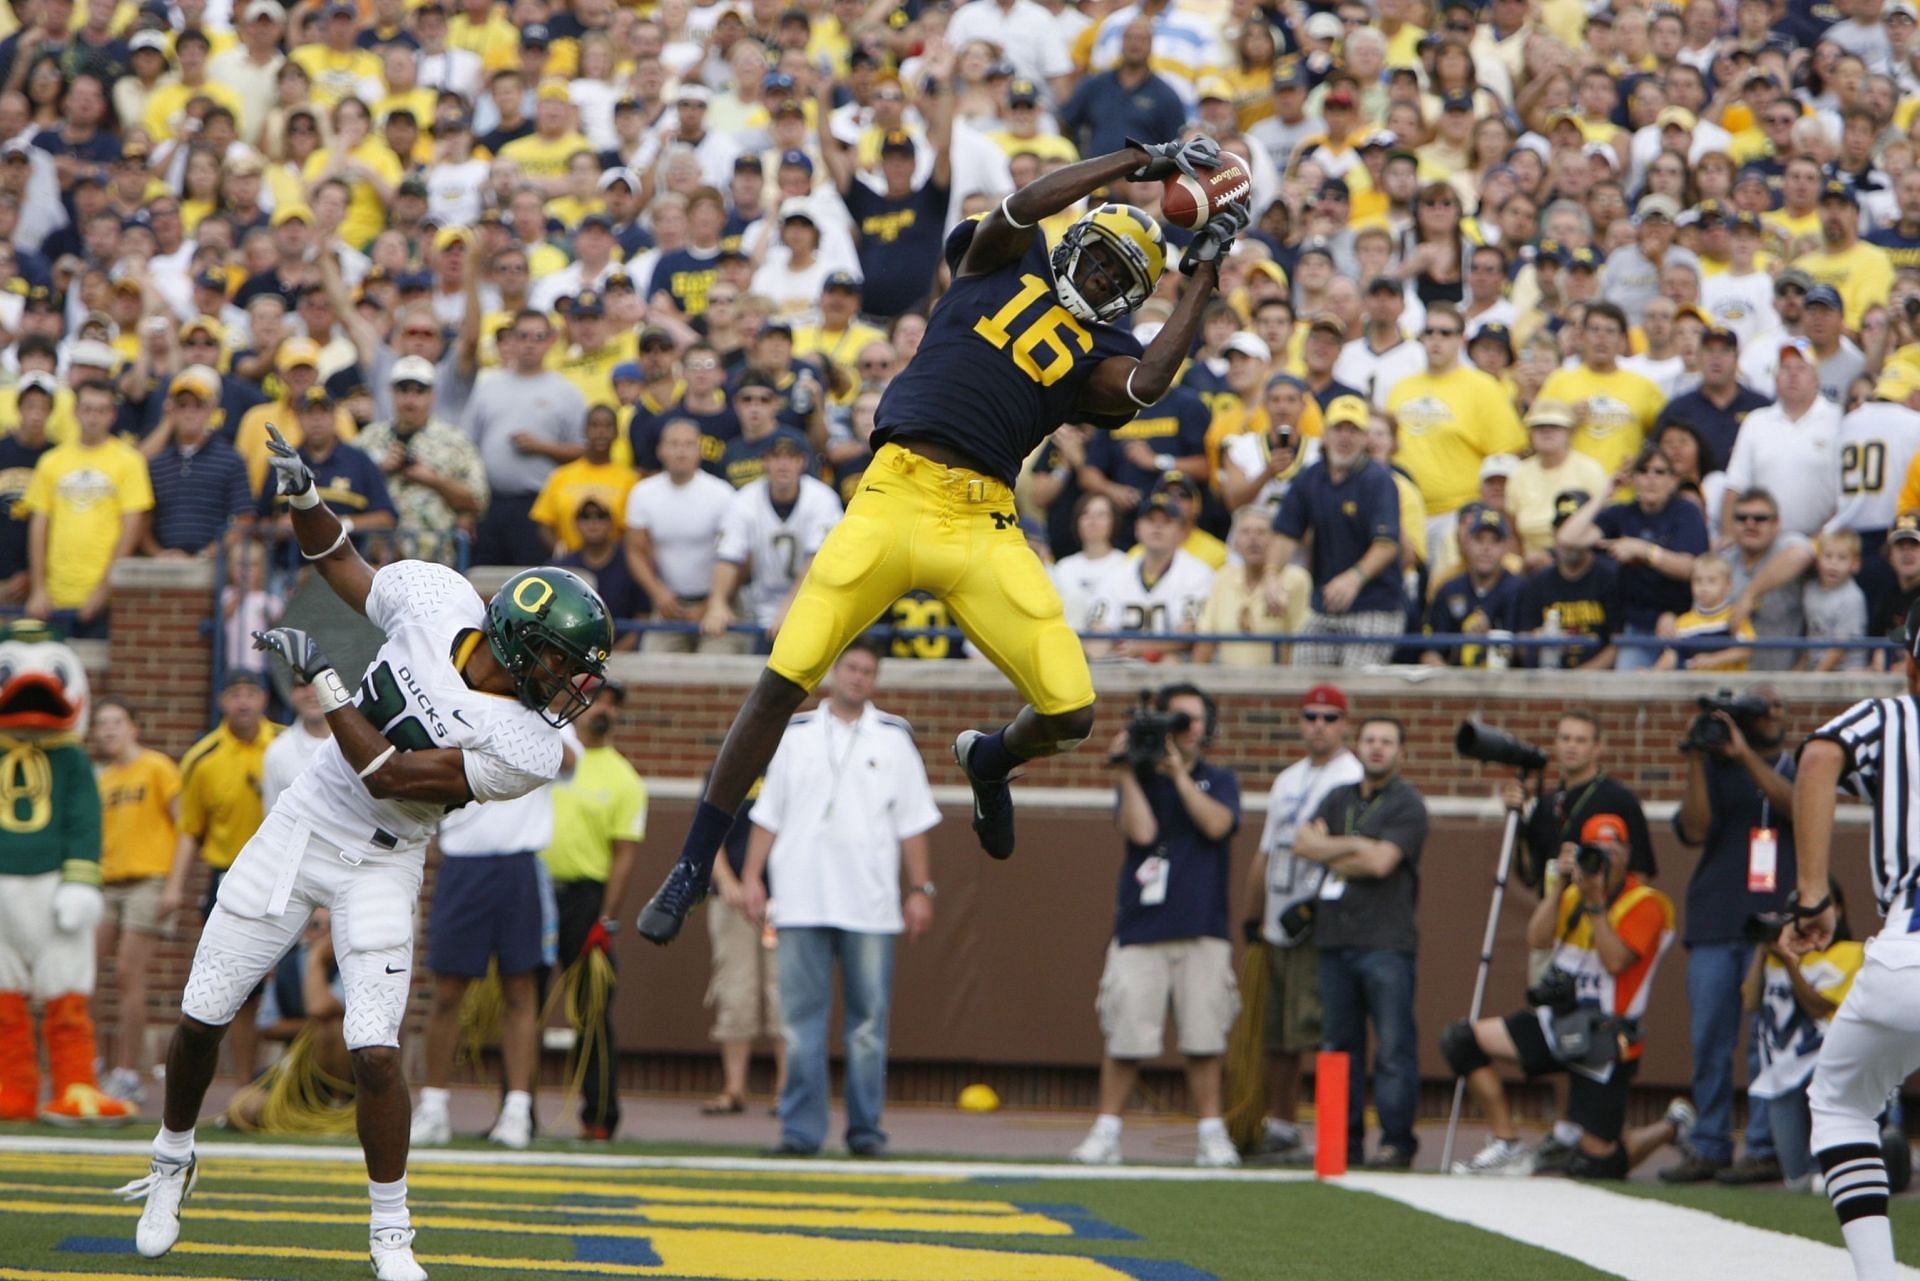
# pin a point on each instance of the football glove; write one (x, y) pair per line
(309, 665)
(1164, 159)
(1215, 239)
(291, 475)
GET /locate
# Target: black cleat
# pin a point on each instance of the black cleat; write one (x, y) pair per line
(683, 890)
(992, 801)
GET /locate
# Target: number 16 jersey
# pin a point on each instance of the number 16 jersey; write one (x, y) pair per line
(417, 698)
(1001, 365)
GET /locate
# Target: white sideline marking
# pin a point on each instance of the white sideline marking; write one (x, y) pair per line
(799, 1168)
(1631, 1237)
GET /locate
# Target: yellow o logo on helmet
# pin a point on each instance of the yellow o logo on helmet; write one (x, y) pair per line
(533, 606)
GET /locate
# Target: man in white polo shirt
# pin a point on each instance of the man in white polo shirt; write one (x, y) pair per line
(845, 803)
(673, 539)
(1790, 448)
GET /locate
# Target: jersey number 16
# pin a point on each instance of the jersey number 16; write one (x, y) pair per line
(1050, 330)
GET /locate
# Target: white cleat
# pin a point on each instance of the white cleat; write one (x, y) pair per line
(1504, 1158)
(1217, 1152)
(167, 1186)
(1096, 1150)
(513, 1130)
(431, 1129)
(392, 1252)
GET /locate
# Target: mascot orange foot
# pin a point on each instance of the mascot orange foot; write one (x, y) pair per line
(50, 896)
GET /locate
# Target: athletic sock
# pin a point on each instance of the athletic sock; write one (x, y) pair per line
(1211, 1125)
(710, 827)
(173, 1145)
(433, 1099)
(1567, 1132)
(1857, 1185)
(991, 758)
(389, 1204)
(1106, 1126)
(518, 1103)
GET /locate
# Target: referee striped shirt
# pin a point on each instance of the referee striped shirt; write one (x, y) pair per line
(1881, 737)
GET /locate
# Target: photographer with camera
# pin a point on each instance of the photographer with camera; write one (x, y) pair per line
(1737, 808)
(1584, 790)
(1369, 835)
(1607, 929)
(1177, 813)
(1282, 891)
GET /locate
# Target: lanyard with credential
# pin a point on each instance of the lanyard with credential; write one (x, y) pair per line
(1568, 819)
(836, 767)
(1358, 814)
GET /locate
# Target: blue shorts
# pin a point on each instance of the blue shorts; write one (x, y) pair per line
(484, 908)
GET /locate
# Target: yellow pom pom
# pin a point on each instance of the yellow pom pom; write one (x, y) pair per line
(979, 1098)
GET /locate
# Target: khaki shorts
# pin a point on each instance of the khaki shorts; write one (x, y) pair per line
(135, 905)
(744, 993)
(1196, 975)
(1293, 998)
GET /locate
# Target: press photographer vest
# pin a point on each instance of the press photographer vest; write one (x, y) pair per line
(1643, 917)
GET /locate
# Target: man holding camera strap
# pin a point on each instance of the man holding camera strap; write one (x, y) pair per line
(1585, 790)
(1282, 889)
(1737, 808)
(1608, 929)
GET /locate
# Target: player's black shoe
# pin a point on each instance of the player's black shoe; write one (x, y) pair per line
(682, 891)
(992, 801)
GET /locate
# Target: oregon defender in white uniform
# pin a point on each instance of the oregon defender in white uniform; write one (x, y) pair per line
(463, 703)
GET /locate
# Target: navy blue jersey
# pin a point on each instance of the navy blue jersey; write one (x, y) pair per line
(1903, 248)
(1176, 424)
(1589, 608)
(1346, 517)
(1002, 364)
(899, 244)
(685, 275)
(745, 461)
(1459, 605)
(16, 472)
(1718, 427)
(348, 481)
(625, 598)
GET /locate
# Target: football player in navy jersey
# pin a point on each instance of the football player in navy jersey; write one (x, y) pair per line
(1023, 340)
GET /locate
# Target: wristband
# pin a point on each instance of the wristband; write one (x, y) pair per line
(306, 499)
(378, 761)
(1165, 462)
(1144, 404)
(332, 691)
(1807, 911)
(332, 547)
(611, 924)
(1012, 221)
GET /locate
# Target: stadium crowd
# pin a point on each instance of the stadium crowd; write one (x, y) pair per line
(1624, 302)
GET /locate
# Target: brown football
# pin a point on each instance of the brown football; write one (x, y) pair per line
(1190, 203)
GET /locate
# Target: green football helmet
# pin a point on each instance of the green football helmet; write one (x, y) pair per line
(553, 633)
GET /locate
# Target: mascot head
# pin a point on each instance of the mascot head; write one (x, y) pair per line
(43, 688)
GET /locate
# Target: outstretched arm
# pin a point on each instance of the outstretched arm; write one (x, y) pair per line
(1006, 232)
(322, 536)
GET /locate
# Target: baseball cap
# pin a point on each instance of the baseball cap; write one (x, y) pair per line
(1330, 323)
(412, 369)
(619, 174)
(147, 40)
(1164, 503)
(1246, 344)
(295, 352)
(1336, 188)
(1485, 520)
(1456, 102)
(1906, 528)
(693, 93)
(1350, 410)
(1835, 189)
(1902, 9)
(1752, 173)
(1717, 332)
(1024, 93)
(1679, 117)
(798, 207)
(1288, 73)
(1495, 332)
(1380, 140)
(1610, 828)
(1551, 413)
(1566, 503)
(537, 34)
(263, 9)
(316, 397)
(1601, 151)
(1745, 220)
(198, 379)
(897, 143)
(553, 89)
(1824, 296)
(292, 212)
(797, 158)
(1324, 26)
(1657, 205)
(776, 82)
(841, 280)
(1500, 465)
(1384, 285)
(36, 381)
(628, 371)
(785, 441)
(653, 336)
(596, 221)
(1324, 695)
(93, 354)
(1798, 346)
(587, 303)
(344, 383)
(241, 676)
(1897, 383)
(1584, 259)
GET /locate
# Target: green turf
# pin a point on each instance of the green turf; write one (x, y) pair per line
(1800, 1213)
(1223, 1229)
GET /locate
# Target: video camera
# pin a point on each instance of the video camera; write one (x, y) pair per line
(1148, 729)
(1707, 734)
(1479, 742)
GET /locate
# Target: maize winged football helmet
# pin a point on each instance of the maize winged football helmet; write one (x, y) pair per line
(1133, 243)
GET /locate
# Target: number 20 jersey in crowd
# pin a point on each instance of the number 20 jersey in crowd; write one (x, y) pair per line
(417, 698)
(1001, 365)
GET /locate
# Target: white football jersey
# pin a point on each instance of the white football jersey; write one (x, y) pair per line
(415, 696)
(776, 548)
(1877, 442)
(1127, 602)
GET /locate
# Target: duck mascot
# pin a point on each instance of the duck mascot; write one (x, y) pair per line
(50, 897)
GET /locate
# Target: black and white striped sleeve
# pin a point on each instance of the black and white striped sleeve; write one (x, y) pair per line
(1861, 732)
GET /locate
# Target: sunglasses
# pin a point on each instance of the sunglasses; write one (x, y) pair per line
(1441, 333)
(1753, 518)
(420, 333)
(702, 366)
(754, 398)
(1320, 718)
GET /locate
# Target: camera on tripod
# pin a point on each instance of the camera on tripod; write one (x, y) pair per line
(1479, 742)
(1708, 733)
(1148, 729)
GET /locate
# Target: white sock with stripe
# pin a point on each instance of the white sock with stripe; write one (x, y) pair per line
(1857, 1185)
